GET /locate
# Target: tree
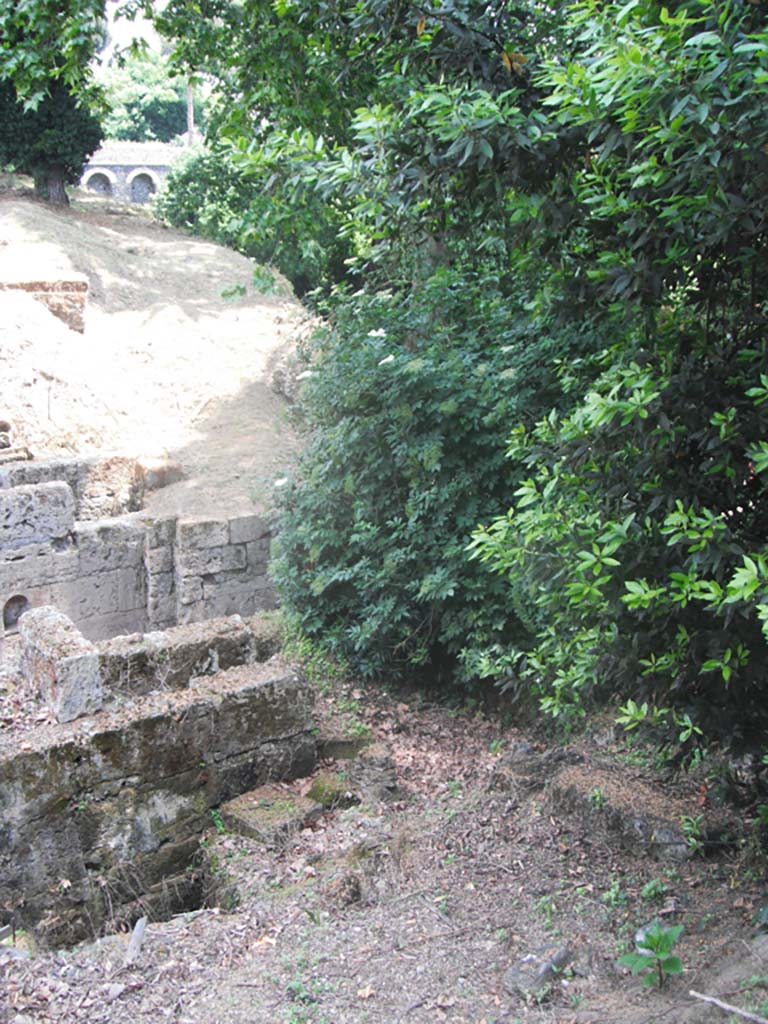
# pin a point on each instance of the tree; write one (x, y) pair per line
(639, 537)
(146, 102)
(51, 142)
(46, 94)
(43, 41)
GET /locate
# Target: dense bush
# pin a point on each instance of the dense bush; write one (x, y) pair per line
(597, 166)
(406, 408)
(211, 194)
(639, 539)
(638, 545)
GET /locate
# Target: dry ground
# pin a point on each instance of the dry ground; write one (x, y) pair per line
(412, 909)
(166, 365)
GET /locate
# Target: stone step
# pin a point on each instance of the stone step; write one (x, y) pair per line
(270, 814)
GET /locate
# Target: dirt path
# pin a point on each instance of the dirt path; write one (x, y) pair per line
(166, 366)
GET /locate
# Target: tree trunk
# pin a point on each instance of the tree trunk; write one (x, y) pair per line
(190, 113)
(52, 186)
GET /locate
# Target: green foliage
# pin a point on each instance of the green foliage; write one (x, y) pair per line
(211, 194)
(52, 142)
(691, 826)
(146, 102)
(655, 960)
(47, 41)
(655, 889)
(405, 404)
(639, 534)
(612, 154)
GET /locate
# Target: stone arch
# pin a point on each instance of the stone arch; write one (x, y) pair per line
(100, 180)
(13, 609)
(143, 184)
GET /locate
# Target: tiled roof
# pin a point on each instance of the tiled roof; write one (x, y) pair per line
(136, 154)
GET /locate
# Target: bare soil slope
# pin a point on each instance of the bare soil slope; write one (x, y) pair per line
(166, 366)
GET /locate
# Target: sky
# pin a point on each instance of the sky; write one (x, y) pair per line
(122, 31)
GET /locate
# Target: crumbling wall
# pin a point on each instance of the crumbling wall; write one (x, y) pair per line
(60, 664)
(64, 298)
(102, 486)
(169, 659)
(100, 823)
(92, 571)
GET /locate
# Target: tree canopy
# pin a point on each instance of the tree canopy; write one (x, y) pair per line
(546, 315)
(566, 204)
(146, 102)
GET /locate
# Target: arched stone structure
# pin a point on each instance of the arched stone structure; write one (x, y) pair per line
(143, 184)
(13, 609)
(102, 181)
(130, 172)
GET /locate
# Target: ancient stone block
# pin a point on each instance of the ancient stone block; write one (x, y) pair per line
(269, 814)
(110, 544)
(60, 663)
(209, 560)
(161, 585)
(160, 532)
(103, 486)
(189, 591)
(139, 664)
(202, 533)
(159, 560)
(247, 528)
(35, 513)
(35, 565)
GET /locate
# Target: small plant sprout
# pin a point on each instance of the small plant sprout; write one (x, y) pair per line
(656, 889)
(597, 798)
(691, 827)
(654, 958)
(218, 822)
(614, 897)
(632, 714)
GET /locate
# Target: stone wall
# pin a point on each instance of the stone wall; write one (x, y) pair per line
(127, 573)
(92, 571)
(64, 298)
(101, 485)
(220, 568)
(100, 820)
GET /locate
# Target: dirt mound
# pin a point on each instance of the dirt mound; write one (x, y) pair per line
(166, 366)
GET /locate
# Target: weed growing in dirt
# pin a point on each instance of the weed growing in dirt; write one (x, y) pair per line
(654, 958)
(547, 907)
(597, 798)
(691, 827)
(614, 897)
(656, 889)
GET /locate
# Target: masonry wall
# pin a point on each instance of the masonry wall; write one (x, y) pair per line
(123, 574)
(102, 486)
(64, 298)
